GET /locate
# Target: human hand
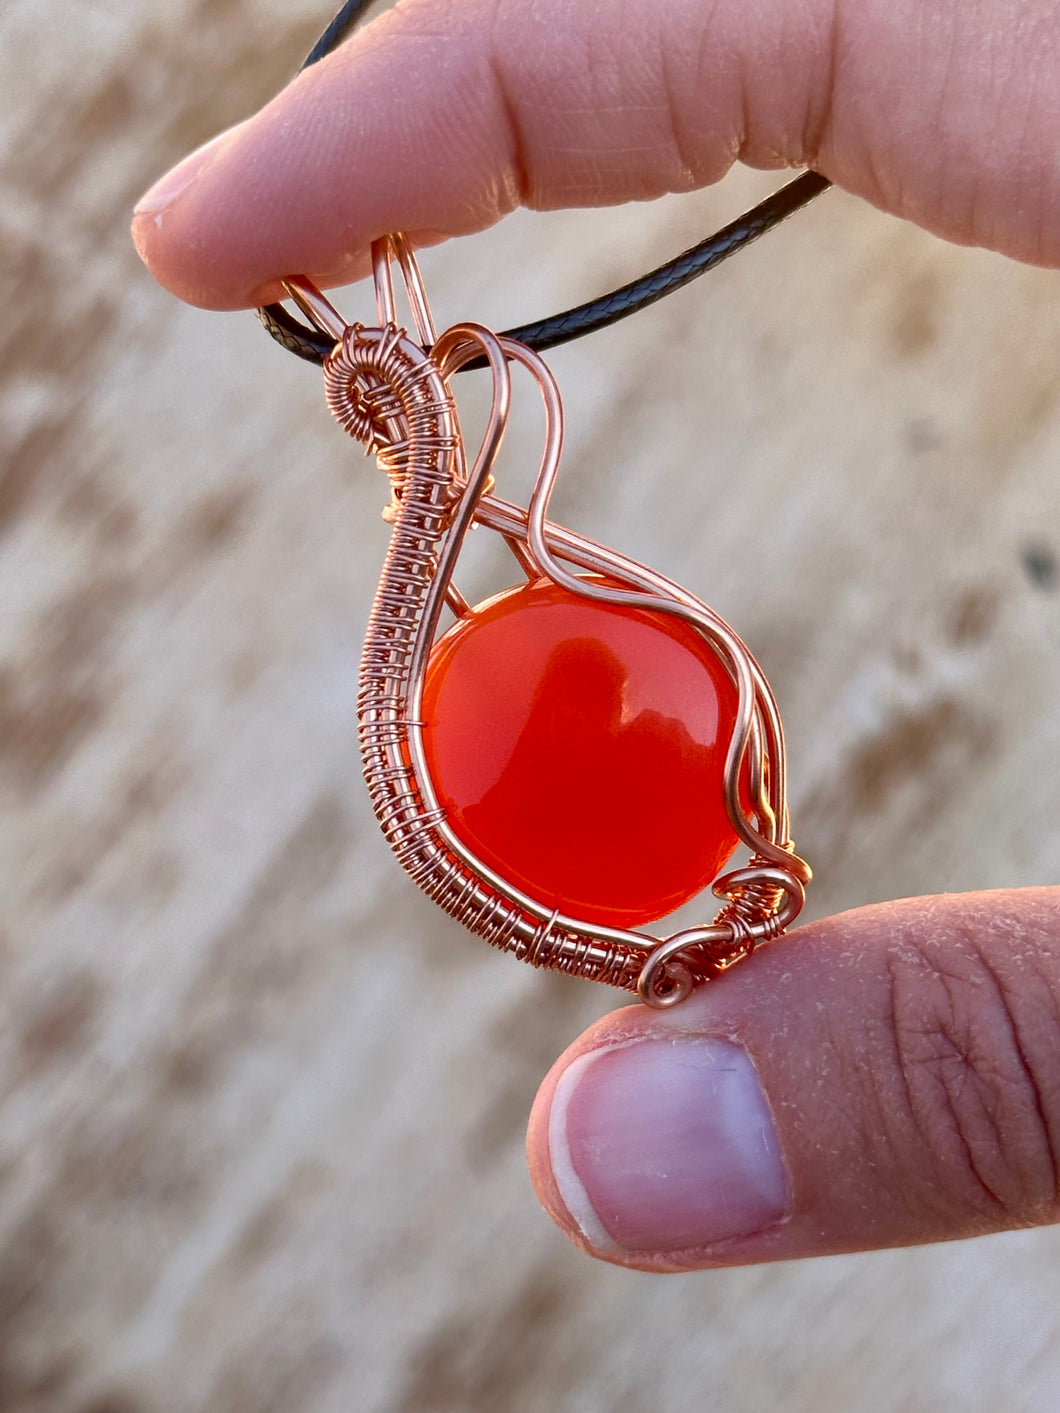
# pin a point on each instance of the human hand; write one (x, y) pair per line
(885, 1077)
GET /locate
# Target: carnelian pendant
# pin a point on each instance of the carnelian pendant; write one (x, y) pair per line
(579, 756)
(578, 749)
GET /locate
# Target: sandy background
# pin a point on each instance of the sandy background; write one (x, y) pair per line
(261, 1107)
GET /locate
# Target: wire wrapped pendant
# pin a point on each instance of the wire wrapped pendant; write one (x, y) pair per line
(392, 393)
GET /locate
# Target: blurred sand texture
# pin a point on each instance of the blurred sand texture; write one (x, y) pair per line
(261, 1106)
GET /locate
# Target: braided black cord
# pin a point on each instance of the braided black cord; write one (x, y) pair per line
(307, 343)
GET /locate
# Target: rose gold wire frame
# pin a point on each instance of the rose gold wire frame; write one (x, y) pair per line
(393, 395)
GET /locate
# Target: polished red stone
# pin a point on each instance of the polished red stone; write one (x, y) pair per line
(579, 749)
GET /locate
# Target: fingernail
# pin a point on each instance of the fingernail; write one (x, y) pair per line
(179, 178)
(659, 1145)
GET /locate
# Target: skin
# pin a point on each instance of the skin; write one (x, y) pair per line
(940, 1014)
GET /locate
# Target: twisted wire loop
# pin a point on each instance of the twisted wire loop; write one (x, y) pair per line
(394, 398)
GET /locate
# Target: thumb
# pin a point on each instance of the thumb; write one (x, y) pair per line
(886, 1077)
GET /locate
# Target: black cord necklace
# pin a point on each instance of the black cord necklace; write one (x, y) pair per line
(313, 346)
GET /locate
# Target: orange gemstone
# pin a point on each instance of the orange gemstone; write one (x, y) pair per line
(579, 750)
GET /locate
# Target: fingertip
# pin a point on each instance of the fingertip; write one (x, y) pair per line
(658, 1150)
(331, 163)
(158, 218)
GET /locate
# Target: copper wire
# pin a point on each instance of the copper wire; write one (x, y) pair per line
(394, 398)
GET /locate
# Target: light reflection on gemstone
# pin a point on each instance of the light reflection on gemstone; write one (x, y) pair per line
(579, 750)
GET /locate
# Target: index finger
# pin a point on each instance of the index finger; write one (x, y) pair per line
(438, 119)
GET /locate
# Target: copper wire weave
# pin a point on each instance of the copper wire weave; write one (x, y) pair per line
(393, 397)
